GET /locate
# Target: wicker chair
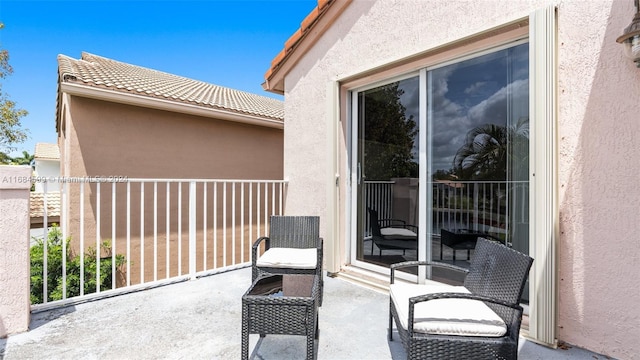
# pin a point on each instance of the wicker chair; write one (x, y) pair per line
(392, 234)
(439, 321)
(294, 246)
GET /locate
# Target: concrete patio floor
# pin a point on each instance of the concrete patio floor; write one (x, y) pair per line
(201, 319)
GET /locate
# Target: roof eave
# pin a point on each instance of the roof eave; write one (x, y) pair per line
(97, 93)
(304, 41)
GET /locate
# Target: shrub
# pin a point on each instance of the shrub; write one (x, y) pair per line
(54, 268)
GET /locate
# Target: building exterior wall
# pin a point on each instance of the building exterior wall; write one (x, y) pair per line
(47, 169)
(103, 140)
(114, 139)
(598, 252)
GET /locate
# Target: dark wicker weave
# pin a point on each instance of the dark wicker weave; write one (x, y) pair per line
(497, 276)
(286, 315)
(290, 232)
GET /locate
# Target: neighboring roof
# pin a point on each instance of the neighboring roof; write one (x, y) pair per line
(99, 72)
(36, 204)
(311, 28)
(46, 151)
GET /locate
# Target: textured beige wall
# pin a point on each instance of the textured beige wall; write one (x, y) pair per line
(109, 139)
(137, 142)
(599, 168)
(599, 144)
(15, 183)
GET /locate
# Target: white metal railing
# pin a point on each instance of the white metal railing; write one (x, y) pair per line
(476, 205)
(479, 205)
(378, 196)
(123, 234)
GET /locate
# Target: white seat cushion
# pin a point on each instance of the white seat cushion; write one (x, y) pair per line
(446, 316)
(397, 232)
(289, 258)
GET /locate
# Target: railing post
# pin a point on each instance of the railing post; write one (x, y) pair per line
(192, 230)
(15, 185)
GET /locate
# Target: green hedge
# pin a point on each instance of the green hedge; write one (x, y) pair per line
(54, 268)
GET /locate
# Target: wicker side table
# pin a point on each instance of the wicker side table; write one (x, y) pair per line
(281, 304)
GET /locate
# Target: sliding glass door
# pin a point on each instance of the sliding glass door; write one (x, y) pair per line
(386, 165)
(475, 124)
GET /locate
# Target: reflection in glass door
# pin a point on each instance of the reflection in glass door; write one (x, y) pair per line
(387, 173)
(479, 156)
(474, 165)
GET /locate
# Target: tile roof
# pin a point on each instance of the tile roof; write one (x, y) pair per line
(97, 71)
(294, 40)
(47, 151)
(36, 204)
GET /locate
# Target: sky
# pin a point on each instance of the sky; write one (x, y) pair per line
(227, 43)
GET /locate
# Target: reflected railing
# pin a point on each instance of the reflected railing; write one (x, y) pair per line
(483, 206)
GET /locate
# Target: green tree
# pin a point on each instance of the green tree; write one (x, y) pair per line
(488, 148)
(5, 159)
(25, 159)
(11, 130)
(389, 135)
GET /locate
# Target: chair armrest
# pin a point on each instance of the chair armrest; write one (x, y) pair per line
(405, 264)
(254, 248)
(391, 222)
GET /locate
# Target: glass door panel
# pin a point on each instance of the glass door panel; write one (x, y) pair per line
(478, 111)
(387, 169)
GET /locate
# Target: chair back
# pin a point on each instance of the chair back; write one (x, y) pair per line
(375, 225)
(294, 231)
(499, 272)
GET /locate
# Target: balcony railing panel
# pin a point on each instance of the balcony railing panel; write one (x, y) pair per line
(140, 232)
(474, 205)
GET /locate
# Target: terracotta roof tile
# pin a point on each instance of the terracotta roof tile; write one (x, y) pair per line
(46, 151)
(294, 40)
(36, 204)
(310, 19)
(98, 71)
(278, 58)
(323, 3)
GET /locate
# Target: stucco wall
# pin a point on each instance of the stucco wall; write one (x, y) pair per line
(137, 142)
(14, 249)
(109, 139)
(598, 159)
(599, 167)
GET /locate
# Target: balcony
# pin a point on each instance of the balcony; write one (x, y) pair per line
(201, 319)
(192, 309)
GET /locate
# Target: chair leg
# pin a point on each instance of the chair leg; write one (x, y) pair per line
(390, 326)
